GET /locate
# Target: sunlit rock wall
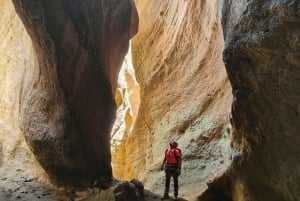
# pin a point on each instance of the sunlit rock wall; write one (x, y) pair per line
(18, 66)
(185, 93)
(262, 58)
(127, 98)
(67, 110)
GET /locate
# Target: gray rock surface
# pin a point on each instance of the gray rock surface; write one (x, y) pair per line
(263, 63)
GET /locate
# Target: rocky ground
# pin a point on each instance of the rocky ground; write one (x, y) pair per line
(21, 179)
(30, 189)
(15, 186)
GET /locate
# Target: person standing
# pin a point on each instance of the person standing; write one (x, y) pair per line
(172, 166)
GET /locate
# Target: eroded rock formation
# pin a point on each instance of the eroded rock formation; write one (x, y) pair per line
(262, 59)
(17, 67)
(58, 90)
(185, 93)
(66, 106)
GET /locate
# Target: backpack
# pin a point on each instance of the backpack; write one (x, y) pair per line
(172, 155)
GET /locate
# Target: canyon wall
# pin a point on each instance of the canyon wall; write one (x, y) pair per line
(17, 68)
(58, 86)
(185, 94)
(262, 60)
(62, 88)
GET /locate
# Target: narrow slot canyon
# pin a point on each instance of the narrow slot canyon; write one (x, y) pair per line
(128, 100)
(93, 91)
(184, 95)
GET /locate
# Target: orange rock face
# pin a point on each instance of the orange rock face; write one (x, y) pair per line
(128, 102)
(185, 93)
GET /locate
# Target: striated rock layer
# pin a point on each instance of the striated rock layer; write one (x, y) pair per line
(67, 107)
(262, 59)
(185, 93)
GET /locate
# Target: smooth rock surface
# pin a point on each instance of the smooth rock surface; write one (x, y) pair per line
(67, 111)
(185, 94)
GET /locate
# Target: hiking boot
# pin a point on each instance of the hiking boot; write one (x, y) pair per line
(165, 197)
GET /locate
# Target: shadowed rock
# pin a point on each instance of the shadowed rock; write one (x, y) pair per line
(68, 113)
(262, 60)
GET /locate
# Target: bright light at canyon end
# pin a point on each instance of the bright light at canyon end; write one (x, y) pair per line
(128, 100)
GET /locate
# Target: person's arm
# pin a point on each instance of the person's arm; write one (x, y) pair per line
(178, 158)
(179, 162)
(163, 163)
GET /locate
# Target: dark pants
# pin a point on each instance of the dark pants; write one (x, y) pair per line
(171, 171)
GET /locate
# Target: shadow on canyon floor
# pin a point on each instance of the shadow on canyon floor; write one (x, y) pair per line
(30, 189)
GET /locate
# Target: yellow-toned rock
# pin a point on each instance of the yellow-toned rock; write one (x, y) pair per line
(129, 91)
(185, 93)
(18, 68)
